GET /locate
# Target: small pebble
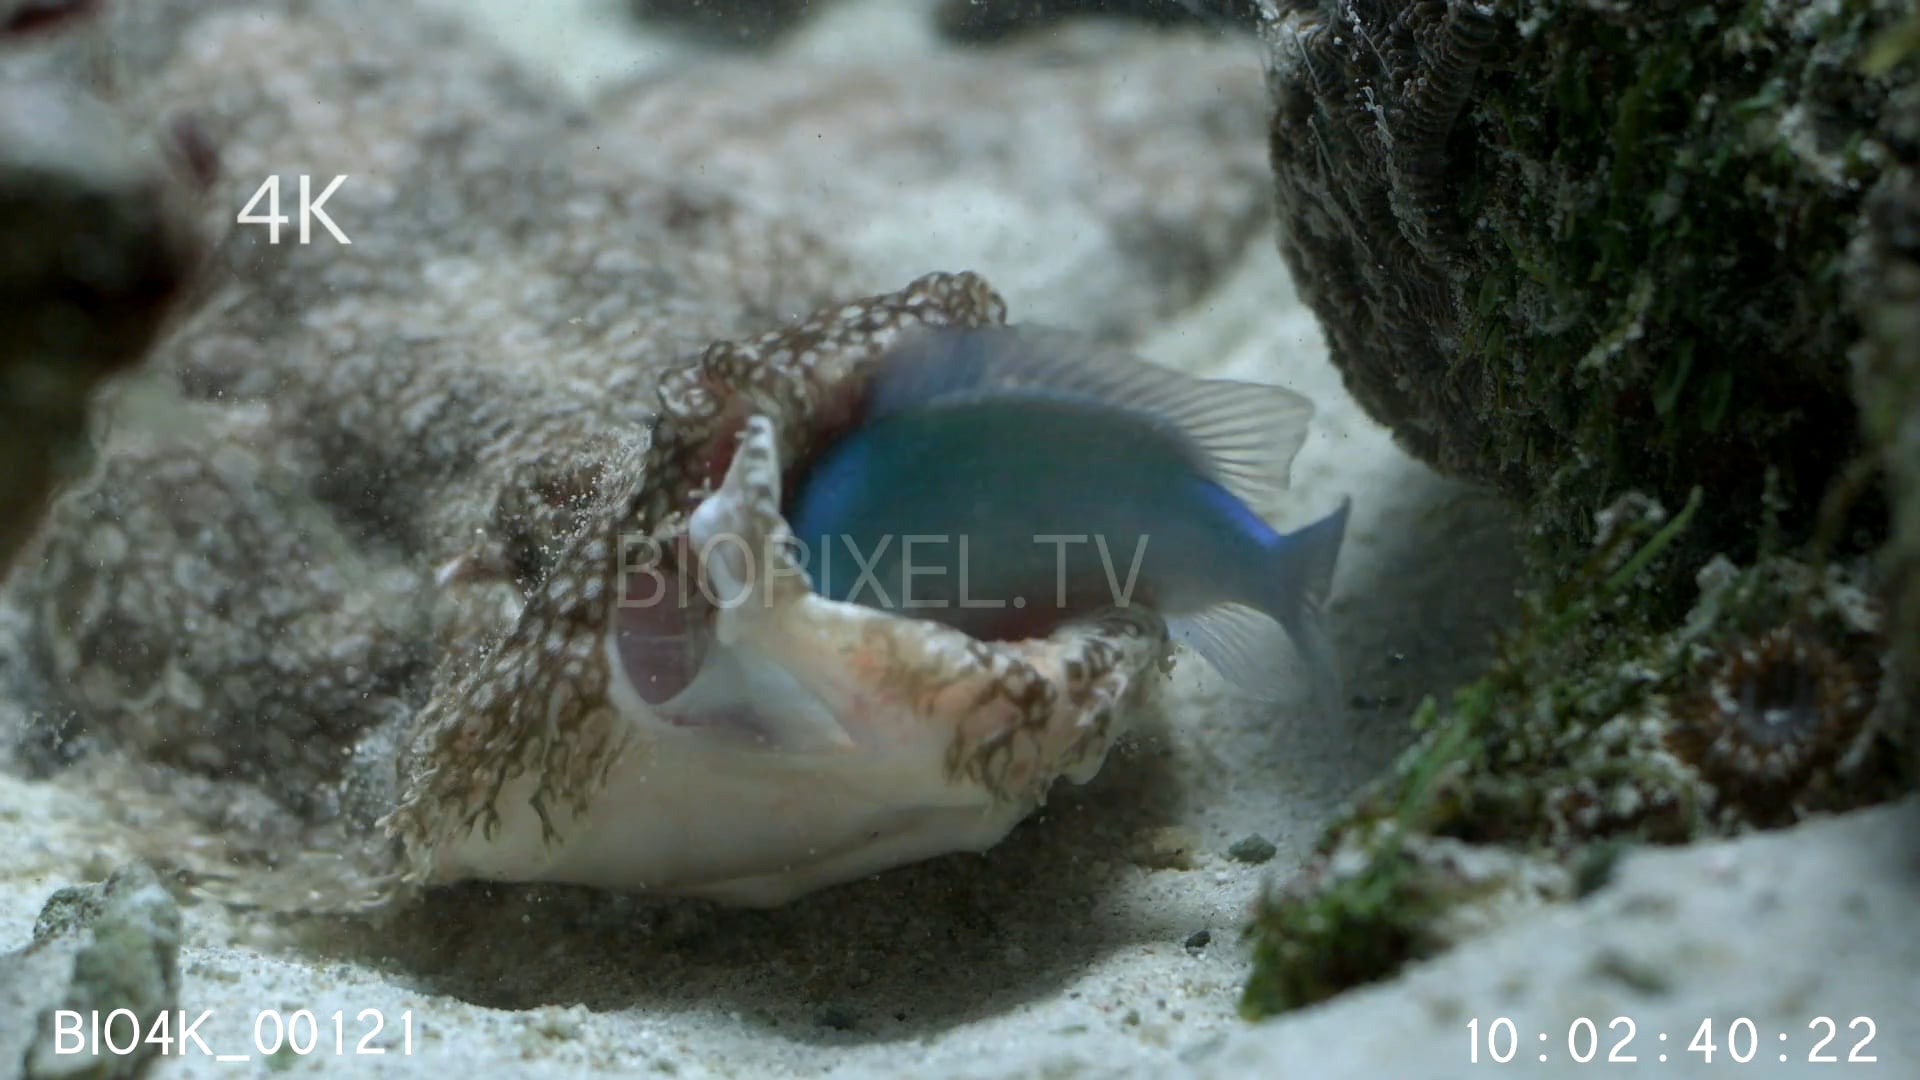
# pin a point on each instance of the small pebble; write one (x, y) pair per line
(1198, 940)
(1254, 849)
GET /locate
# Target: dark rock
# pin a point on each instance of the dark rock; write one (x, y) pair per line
(991, 20)
(33, 16)
(100, 241)
(1255, 849)
(1575, 249)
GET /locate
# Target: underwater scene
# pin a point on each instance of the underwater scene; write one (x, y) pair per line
(1342, 539)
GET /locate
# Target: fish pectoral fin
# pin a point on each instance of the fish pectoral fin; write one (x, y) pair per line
(1244, 646)
(1243, 435)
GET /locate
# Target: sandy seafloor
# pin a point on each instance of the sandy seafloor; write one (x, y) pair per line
(1064, 951)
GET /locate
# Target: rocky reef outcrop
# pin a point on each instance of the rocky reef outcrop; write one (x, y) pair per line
(1648, 270)
(1574, 249)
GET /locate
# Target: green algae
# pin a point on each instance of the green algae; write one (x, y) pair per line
(1334, 930)
(1665, 197)
(1658, 286)
(1580, 742)
(1894, 47)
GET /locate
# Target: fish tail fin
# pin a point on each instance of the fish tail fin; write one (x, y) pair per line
(1242, 641)
(1308, 556)
(1305, 562)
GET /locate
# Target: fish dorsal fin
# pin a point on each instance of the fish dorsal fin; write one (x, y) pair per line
(1242, 435)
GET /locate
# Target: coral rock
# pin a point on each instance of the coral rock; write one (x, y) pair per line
(1571, 249)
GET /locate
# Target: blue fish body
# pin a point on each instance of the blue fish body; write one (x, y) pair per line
(1005, 481)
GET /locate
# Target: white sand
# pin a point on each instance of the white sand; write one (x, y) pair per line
(1780, 929)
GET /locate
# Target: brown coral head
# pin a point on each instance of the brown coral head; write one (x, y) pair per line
(1773, 713)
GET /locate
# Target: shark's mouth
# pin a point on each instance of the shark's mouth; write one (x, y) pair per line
(726, 730)
(725, 633)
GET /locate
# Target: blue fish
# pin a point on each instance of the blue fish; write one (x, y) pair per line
(1005, 480)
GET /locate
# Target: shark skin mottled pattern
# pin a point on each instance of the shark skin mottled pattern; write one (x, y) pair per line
(513, 769)
(353, 543)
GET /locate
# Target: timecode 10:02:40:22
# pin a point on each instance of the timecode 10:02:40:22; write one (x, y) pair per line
(1743, 1040)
